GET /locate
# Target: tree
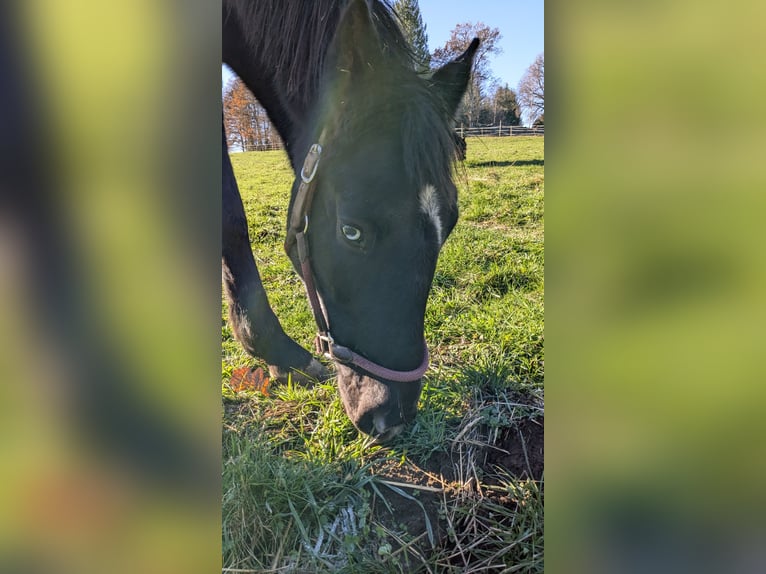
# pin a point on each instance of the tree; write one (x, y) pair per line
(237, 120)
(482, 78)
(532, 90)
(505, 107)
(247, 125)
(414, 31)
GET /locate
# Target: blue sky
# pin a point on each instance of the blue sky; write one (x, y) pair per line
(521, 25)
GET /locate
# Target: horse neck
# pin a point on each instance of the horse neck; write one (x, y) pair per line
(272, 64)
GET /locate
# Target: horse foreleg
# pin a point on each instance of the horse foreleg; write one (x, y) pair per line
(254, 323)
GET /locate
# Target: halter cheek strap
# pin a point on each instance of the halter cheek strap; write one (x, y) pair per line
(296, 233)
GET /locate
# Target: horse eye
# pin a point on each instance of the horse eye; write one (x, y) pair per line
(351, 233)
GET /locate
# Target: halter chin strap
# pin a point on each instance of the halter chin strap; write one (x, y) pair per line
(324, 342)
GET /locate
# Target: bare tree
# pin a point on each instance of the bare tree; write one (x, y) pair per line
(481, 79)
(247, 125)
(532, 90)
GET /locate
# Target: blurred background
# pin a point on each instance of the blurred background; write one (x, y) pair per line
(656, 457)
(109, 286)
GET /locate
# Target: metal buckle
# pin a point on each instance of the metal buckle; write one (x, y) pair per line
(312, 162)
(326, 348)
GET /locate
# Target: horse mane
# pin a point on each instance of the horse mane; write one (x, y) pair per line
(295, 49)
(299, 34)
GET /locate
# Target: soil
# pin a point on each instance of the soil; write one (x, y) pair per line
(518, 452)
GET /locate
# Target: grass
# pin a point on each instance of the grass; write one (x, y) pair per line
(462, 489)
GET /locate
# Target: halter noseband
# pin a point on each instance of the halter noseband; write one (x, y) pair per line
(296, 232)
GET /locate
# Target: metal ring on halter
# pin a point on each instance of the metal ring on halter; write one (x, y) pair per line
(327, 337)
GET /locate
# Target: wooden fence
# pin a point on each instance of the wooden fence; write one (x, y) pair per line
(266, 147)
(485, 131)
(501, 130)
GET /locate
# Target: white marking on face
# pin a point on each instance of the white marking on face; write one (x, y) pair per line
(429, 204)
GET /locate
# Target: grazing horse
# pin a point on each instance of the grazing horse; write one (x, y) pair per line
(371, 143)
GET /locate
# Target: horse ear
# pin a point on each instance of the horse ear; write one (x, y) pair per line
(452, 78)
(356, 41)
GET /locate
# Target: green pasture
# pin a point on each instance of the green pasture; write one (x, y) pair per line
(461, 490)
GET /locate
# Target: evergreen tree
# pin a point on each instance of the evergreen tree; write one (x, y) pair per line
(506, 107)
(414, 31)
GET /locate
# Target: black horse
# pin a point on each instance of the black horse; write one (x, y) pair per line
(371, 143)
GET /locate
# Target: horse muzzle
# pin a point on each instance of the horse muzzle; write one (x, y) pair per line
(378, 408)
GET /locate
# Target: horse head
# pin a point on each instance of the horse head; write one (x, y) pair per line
(370, 210)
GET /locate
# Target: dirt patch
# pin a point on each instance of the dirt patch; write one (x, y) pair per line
(418, 496)
(518, 451)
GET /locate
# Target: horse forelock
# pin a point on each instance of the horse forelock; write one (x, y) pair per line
(402, 109)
